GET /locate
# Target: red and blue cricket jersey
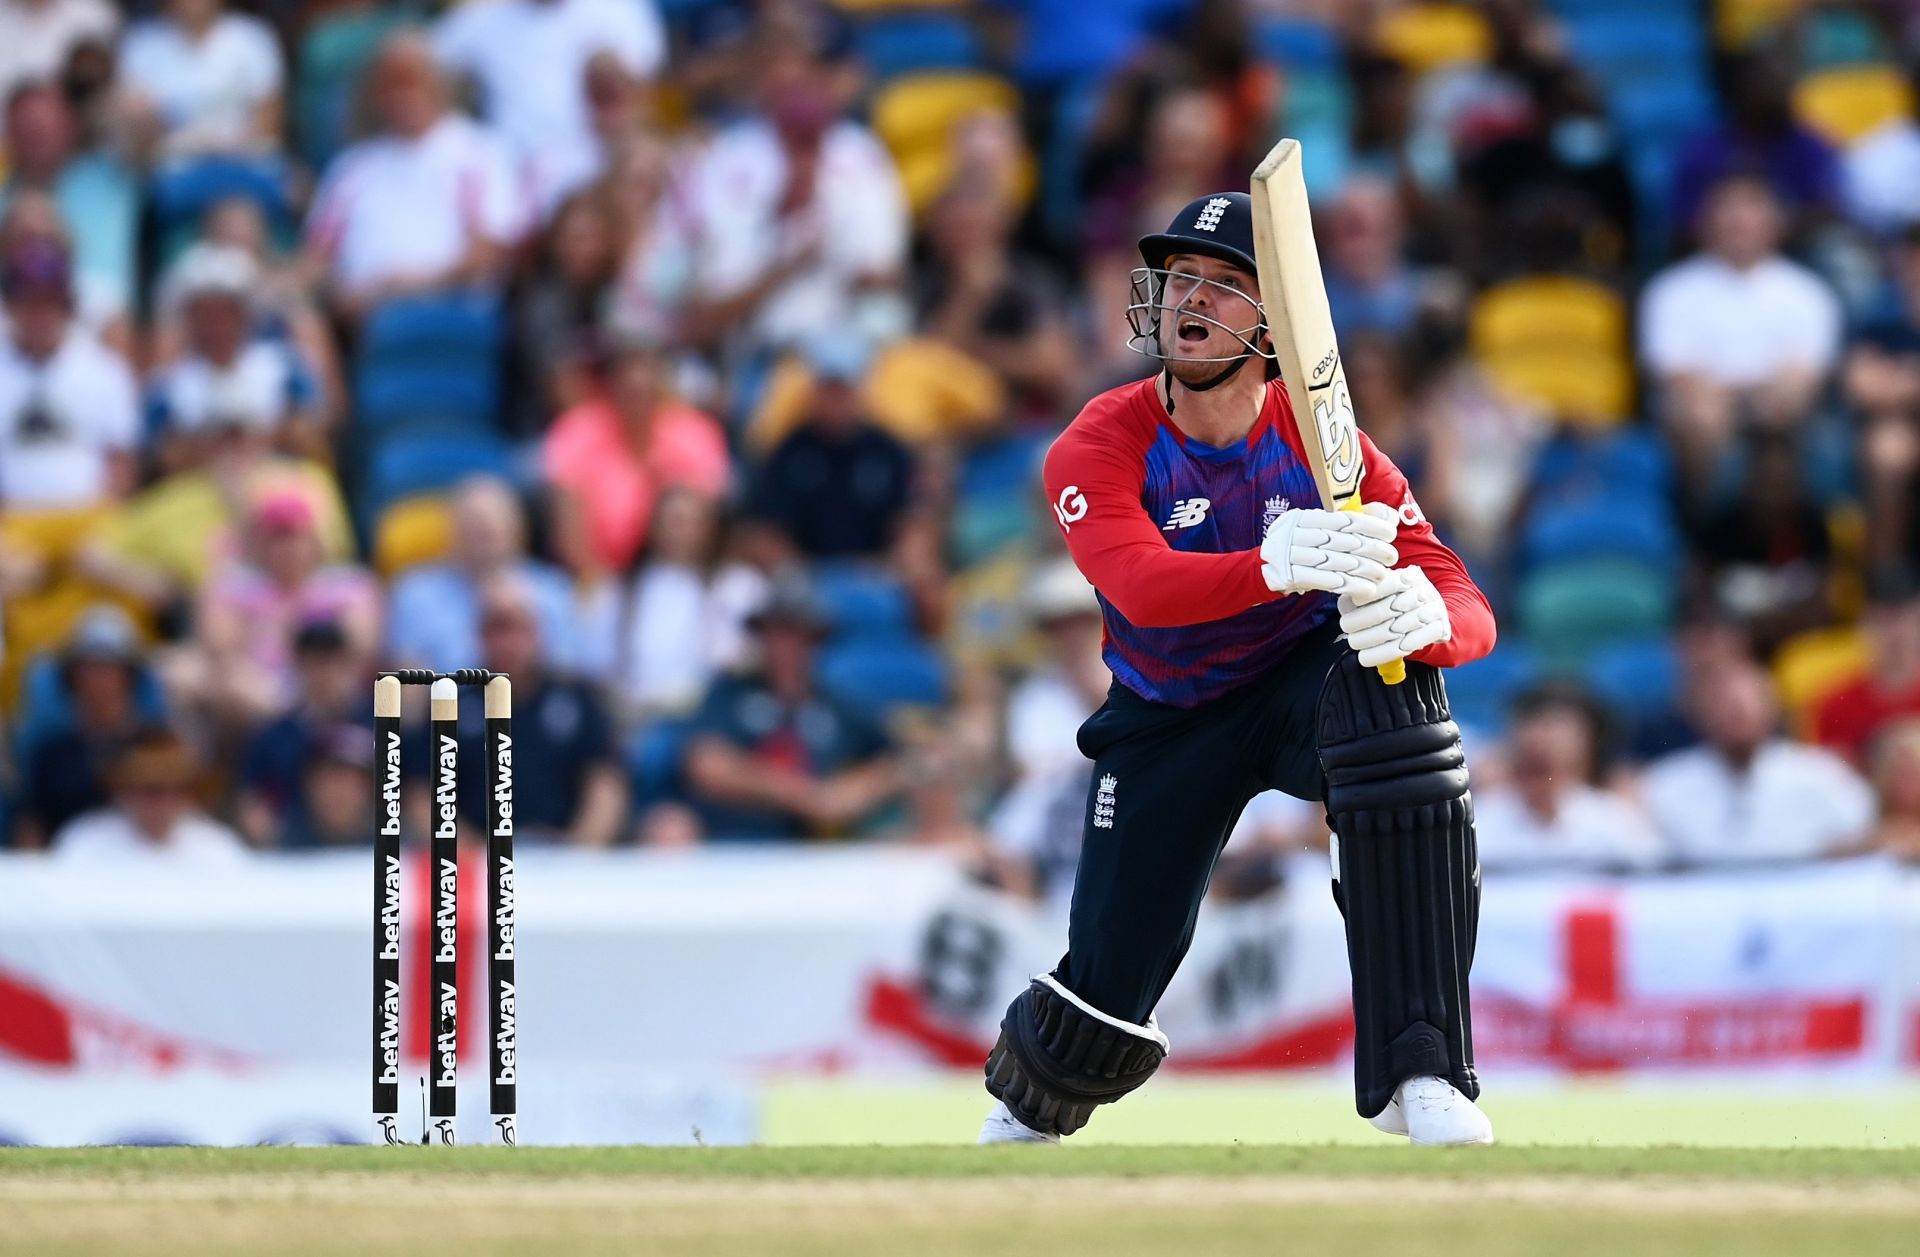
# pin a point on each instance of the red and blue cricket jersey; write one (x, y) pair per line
(1168, 530)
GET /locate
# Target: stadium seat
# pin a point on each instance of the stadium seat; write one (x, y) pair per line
(1638, 679)
(865, 604)
(1622, 46)
(1586, 463)
(392, 394)
(180, 194)
(915, 117)
(405, 463)
(654, 758)
(1837, 37)
(1557, 341)
(1570, 610)
(1813, 664)
(1481, 693)
(1622, 521)
(456, 325)
(1740, 23)
(1426, 37)
(894, 44)
(410, 532)
(1298, 44)
(879, 676)
(1848, 103)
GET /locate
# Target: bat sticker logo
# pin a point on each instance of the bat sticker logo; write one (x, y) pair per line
(1071, 507)
(1339, 434)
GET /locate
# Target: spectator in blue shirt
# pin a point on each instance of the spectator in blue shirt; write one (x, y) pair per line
(331, 692)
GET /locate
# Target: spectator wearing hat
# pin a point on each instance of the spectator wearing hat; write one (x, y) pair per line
(434, 620)
(98, 201)
(250, 613)
(63, 769)
(770, 755)
(609, 458)
(429, 204)
(330, 680)
(228, 376)
(1848, 720)
(1747, 795)
(154, 783)
(69, 418)
(1552, 813)
(838, 486)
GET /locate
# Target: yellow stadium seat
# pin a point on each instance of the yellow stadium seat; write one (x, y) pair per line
(1557, 341)
(1850, 102)
(915, 117)
(1737, 23)
(918, 389)
(1813, 665)
(1426, 37)
(41, 618)
(412, 531)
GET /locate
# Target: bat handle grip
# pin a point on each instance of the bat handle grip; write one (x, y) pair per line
(1393, 671)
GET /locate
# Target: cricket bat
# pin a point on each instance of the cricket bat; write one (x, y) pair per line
(1295, 297)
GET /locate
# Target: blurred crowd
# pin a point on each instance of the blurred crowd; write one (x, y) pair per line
(691, 360)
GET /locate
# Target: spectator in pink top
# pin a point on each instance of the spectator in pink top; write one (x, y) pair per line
(609, 458)
(250, 613)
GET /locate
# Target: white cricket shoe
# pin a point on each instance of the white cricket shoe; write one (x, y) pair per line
(1430, 1110)
(1002, 1127)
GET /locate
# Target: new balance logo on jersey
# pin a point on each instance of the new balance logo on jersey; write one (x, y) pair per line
(1209, 219)
(1186, 513)
(1276, 507)
(1103, 802)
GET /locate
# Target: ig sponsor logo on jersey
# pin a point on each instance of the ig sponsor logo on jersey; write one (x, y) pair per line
(1071, 507)
(1411, 516)
(1186, 513)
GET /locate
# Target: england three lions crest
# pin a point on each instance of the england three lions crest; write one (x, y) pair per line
(1276, 507)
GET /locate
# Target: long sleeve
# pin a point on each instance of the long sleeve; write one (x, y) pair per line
(1467, 609)
(1095, 496)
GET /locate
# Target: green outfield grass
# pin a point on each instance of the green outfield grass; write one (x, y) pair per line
(1612, 1113)
(948, 1201)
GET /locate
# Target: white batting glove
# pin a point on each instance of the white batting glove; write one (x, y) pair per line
(1404, 614)
(1336, 552)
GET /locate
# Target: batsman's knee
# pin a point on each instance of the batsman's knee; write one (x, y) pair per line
(1059, 1058)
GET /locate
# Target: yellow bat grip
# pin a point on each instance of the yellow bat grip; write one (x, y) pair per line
(1393, 671)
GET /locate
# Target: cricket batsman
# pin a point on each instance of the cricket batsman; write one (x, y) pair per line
(1243, 627)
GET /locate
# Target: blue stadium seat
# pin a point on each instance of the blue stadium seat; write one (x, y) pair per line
(1568, 611)
(1638, 679)
(1585, 464)
(407, 462)
(393, 394)
(1618, 46)
(1480, 693)
(865, 604)
(1008, 465)
(1625, 523)
(1661, 111)
(653, 760)
(455, 325)
(906, 43)
(877, 676)
(1297, 44)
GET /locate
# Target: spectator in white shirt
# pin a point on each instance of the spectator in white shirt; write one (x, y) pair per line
(1737, 334)
(36, 36)
(427, 205)
(69, 414)
(205, 80)
(1045, 710)
(686, 615)
(800, 216)
(1746, 795)
(1551, 812)
(529, 60)
(154, 782)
